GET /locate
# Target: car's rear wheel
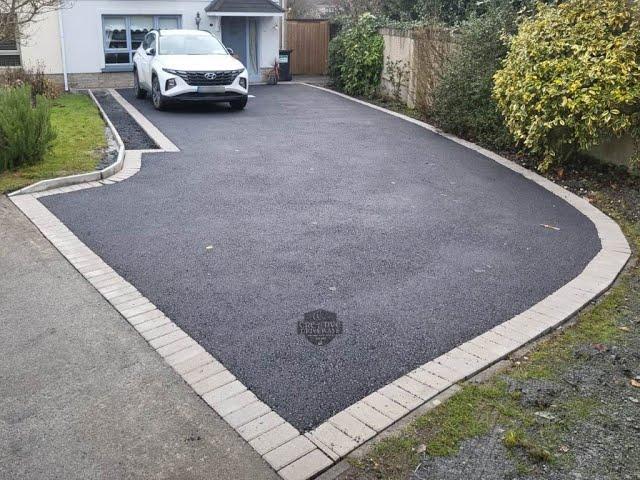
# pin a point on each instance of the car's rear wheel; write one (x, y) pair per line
(159, 102)
(140, 92)
(239, 104)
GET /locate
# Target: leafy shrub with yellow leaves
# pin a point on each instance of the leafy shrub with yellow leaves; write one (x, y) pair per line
(572, 77)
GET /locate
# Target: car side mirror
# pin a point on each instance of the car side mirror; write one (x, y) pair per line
(150, 51)
(230, 50)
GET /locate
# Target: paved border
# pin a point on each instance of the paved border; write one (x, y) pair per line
(297, 456)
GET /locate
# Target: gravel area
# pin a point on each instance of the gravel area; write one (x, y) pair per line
(110, 153)
(132, 135)
(601, 445)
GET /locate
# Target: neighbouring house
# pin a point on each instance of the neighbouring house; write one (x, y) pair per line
(93, 41)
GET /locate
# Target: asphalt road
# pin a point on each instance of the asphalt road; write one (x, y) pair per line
(310, 201)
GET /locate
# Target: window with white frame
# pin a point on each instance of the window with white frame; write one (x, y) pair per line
(123, 34)
(9, 52)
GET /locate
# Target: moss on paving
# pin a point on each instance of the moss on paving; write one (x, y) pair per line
(77, 149)
(477, 409)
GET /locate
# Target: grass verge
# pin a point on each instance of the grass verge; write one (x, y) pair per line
(77, 148)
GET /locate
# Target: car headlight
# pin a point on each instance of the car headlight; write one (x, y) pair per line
(179, 73)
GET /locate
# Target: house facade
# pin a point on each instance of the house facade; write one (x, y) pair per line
(92, 42)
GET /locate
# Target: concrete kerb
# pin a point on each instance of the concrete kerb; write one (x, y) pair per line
(69, 180)
(400, 399)
(150, 129)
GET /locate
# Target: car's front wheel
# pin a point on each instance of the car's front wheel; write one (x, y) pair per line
(239, 104)
(159, 102)
(140, 92)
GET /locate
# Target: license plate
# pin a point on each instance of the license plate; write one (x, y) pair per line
(211, 89)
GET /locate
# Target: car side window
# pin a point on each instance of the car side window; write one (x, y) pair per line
(149, 41)
(152, 41)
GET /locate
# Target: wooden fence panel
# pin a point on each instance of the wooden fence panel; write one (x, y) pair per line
(309, 40)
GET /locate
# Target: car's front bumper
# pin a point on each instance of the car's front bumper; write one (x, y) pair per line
(208, 97)
(221, 93)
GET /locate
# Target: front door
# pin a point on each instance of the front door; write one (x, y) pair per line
(241, 35)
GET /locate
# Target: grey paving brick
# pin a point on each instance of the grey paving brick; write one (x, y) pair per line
(115, 290)
(235, 403)
(143, 318)
(444, 372)
(155, 322)
(193, 363)
(202, 372)
(132, 312)
(212, 382)
(416, 388)
(125, 297)
(183, 355)
(289, 452)
(400, 396)
(369, 416)
(479, 351)
(220, 394)
(306, 467)
(482, 342)
(511, 333)
(429, 379)
(274, 438)
(167, 339)
(160, 331)
(174, 347)
(247, 414)
(385, 405)
(333, 438)
(260, 425)
(351, 426)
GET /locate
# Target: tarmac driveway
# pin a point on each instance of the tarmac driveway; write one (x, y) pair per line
(308, 201)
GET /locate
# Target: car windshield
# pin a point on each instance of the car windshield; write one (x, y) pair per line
(190, 45)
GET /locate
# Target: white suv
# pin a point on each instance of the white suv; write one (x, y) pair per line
(188, 65)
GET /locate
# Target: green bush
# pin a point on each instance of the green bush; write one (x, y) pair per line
(572, 77)
(356, 57)
(462, 101)
(25, 127)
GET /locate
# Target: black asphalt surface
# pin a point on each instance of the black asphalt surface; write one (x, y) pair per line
(312, 201)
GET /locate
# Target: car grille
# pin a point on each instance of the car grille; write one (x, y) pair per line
(199, 79)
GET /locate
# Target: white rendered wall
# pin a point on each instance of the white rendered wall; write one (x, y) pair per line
(83, 28)
(41, 44)
(269, 41)
(83, 25)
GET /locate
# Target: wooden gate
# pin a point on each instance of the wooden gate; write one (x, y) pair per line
(309, 40)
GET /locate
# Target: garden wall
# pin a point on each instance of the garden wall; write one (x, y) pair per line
(418, 54)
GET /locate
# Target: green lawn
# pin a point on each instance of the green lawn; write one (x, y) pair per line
(77, 148)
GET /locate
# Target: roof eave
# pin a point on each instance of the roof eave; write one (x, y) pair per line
(216, 13)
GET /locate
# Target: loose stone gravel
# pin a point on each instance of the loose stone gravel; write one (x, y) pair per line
(133, 136)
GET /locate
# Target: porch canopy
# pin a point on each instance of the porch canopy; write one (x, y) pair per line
(243, 8)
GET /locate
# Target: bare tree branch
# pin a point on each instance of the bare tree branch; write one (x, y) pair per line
(16, 15)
